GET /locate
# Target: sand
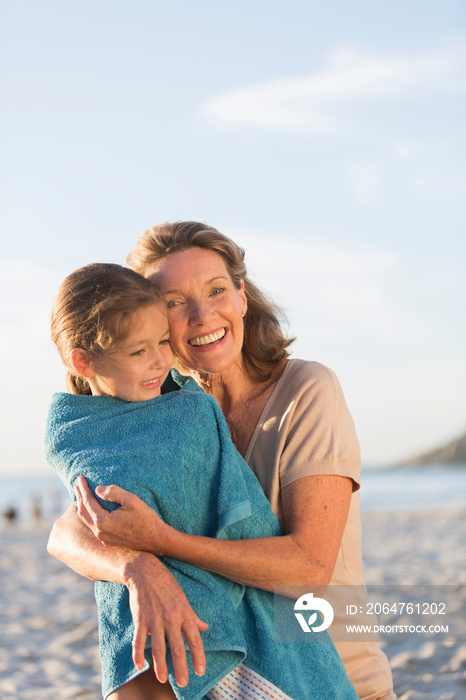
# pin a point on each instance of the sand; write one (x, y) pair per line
(423, 547)
(48, 617)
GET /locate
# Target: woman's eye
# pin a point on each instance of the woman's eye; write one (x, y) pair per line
(217, 290)
(173, 303)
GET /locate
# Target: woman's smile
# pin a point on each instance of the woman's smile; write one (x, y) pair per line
(208, 339)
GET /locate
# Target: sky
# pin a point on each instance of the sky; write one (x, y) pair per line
(328, 139)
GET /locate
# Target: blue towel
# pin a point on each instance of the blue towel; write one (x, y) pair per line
(176, 454)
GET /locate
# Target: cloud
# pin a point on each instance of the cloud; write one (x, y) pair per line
(348, 76)
(440, 184)
(366, 181)
(330, 290)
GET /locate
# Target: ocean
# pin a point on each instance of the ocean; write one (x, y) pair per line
(402, 488)
(383, 489)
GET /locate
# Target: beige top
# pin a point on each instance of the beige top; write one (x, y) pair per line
(306, 429)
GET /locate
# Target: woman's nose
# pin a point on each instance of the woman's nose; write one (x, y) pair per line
(199, 312)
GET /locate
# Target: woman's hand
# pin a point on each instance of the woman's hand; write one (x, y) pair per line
(134, 525)
(160, 608)
(158, 604)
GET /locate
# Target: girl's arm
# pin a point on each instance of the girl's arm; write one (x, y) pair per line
(158, 604)
(315, 508)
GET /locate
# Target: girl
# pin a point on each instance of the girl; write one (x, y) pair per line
(173, 450)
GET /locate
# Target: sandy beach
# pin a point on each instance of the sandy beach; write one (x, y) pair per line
(423, 547)
(48, 617)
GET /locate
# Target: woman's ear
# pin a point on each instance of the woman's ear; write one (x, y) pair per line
(244, 301)
(81, 362)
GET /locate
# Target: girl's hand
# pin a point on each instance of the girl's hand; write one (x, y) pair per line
(134, 525)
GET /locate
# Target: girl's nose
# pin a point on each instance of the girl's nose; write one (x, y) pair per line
(158, 360)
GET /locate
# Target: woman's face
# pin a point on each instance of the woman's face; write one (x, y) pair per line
(205, 309)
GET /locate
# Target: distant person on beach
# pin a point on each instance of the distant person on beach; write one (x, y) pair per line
(174, 451)
(287, 417)
(10, 514)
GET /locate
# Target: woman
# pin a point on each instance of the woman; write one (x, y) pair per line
(287, 418)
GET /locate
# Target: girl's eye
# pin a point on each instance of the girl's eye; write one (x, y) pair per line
(165, 342)
(137, 353)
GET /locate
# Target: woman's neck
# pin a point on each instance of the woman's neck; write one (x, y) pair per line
(229, 387)
(241, 400)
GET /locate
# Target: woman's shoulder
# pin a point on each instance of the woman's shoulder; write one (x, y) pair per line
(307, 384)
(308, 372)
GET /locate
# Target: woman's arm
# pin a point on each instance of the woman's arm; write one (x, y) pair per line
(72, 542)
(158, 604)
(316, 430)
(315, 507)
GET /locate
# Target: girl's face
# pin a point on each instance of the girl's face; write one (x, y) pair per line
(205, 309)
(135, 369)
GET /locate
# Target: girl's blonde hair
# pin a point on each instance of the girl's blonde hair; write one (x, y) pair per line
(92, 311)
(265, 343)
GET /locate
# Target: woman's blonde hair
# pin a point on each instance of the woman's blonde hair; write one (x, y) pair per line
(265, 343)
(92, 311)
